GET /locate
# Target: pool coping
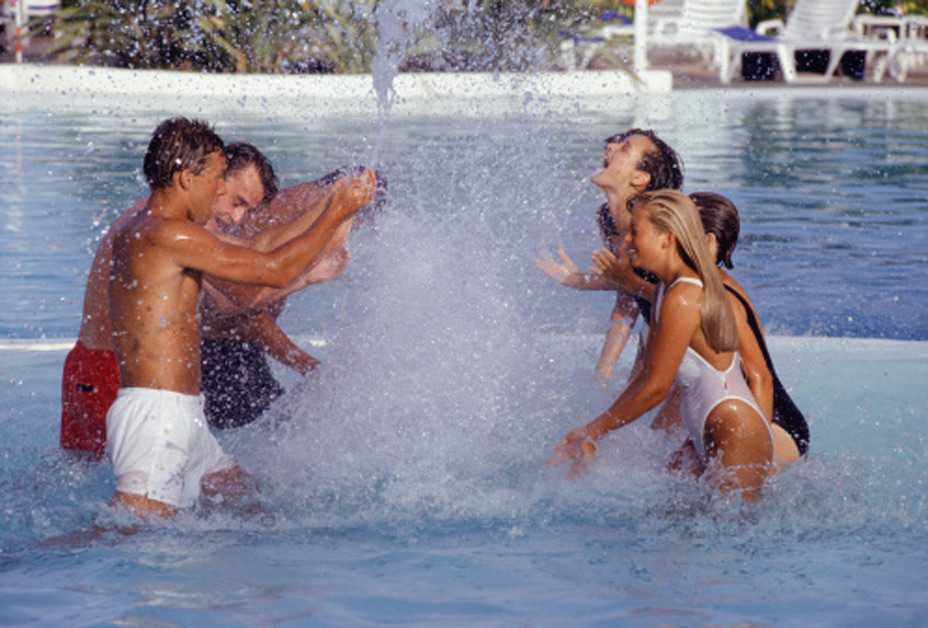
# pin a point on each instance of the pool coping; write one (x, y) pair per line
(421, 88)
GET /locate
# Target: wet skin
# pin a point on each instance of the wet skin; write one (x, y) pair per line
(159, 258)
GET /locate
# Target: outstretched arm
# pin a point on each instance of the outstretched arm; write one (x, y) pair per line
(262, 329)
(255, 326)
(312, 207)
(568, 274)
(191, 246)
(331, 265)
(624, 313)
(237, 298)
(679, 318)
(287, 205)
(276, 342)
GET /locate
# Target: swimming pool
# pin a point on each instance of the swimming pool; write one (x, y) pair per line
(405, 483)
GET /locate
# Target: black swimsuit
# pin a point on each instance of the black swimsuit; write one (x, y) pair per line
(644, 306)
(785, 412)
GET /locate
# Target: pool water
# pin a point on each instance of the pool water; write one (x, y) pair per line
(405, 481)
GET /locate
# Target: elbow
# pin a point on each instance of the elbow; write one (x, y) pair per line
(654, 392)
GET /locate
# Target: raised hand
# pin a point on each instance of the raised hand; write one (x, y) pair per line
(351, 193)
(564, 272)
(616, 268)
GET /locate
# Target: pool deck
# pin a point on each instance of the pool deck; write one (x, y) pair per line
(687, 74)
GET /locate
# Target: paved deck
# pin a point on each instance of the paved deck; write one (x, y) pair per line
(688, 72)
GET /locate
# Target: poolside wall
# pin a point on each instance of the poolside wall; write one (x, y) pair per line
(414, 91)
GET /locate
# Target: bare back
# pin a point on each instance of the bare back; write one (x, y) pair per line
(96, 328)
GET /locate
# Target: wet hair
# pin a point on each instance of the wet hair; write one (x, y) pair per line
(662, 163)
(606, 224)
(241, 155)
(672, 212)
(178, 144)
(720, 218)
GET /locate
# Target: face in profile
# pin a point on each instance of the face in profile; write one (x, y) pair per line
(620, 164)
(646, 244)
(207, 186)
(244, 191)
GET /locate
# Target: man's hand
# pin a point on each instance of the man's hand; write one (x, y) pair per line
(301, 361)
(351, 193)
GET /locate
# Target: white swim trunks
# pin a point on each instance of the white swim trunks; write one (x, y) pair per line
(160, 445)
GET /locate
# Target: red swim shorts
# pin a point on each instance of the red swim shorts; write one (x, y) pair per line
(88, 389)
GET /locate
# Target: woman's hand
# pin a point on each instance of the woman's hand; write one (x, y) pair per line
(564, 272)
(578, 447)
(616, 268)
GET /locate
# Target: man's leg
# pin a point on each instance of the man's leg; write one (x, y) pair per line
(143, 507)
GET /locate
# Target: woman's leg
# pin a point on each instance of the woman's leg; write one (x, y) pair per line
(737, 438)
(686, 460)
(785, 451)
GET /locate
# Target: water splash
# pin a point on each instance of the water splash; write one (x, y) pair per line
(398, 22)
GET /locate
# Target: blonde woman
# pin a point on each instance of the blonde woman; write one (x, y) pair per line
(693, 341)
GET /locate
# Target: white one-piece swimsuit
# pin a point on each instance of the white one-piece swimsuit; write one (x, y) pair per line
(703, 386)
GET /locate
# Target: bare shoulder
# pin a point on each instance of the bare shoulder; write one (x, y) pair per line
(171, 233)
(683, 296)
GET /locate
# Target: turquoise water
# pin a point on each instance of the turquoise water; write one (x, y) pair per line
(404, 482)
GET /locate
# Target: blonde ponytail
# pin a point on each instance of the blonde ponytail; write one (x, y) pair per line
(673, 212)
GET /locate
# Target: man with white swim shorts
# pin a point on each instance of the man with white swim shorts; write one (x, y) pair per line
(157, 436)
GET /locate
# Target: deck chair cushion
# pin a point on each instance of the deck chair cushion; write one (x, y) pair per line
(741, 33)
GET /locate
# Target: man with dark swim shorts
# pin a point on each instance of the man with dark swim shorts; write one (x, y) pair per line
(90, 377)
(239, 322)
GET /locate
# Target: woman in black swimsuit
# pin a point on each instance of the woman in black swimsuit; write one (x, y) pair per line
(721, 223)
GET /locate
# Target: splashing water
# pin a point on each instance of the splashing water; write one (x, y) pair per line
(425, 404)
(397, 24)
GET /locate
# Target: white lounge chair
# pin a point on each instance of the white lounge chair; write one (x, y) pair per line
(912, 47)
(663, 10)
(578, 50)
(41, 8)
(812, 25)
(695, 26)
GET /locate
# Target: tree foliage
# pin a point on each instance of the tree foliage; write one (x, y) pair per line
(340, 35)
(219, 35)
